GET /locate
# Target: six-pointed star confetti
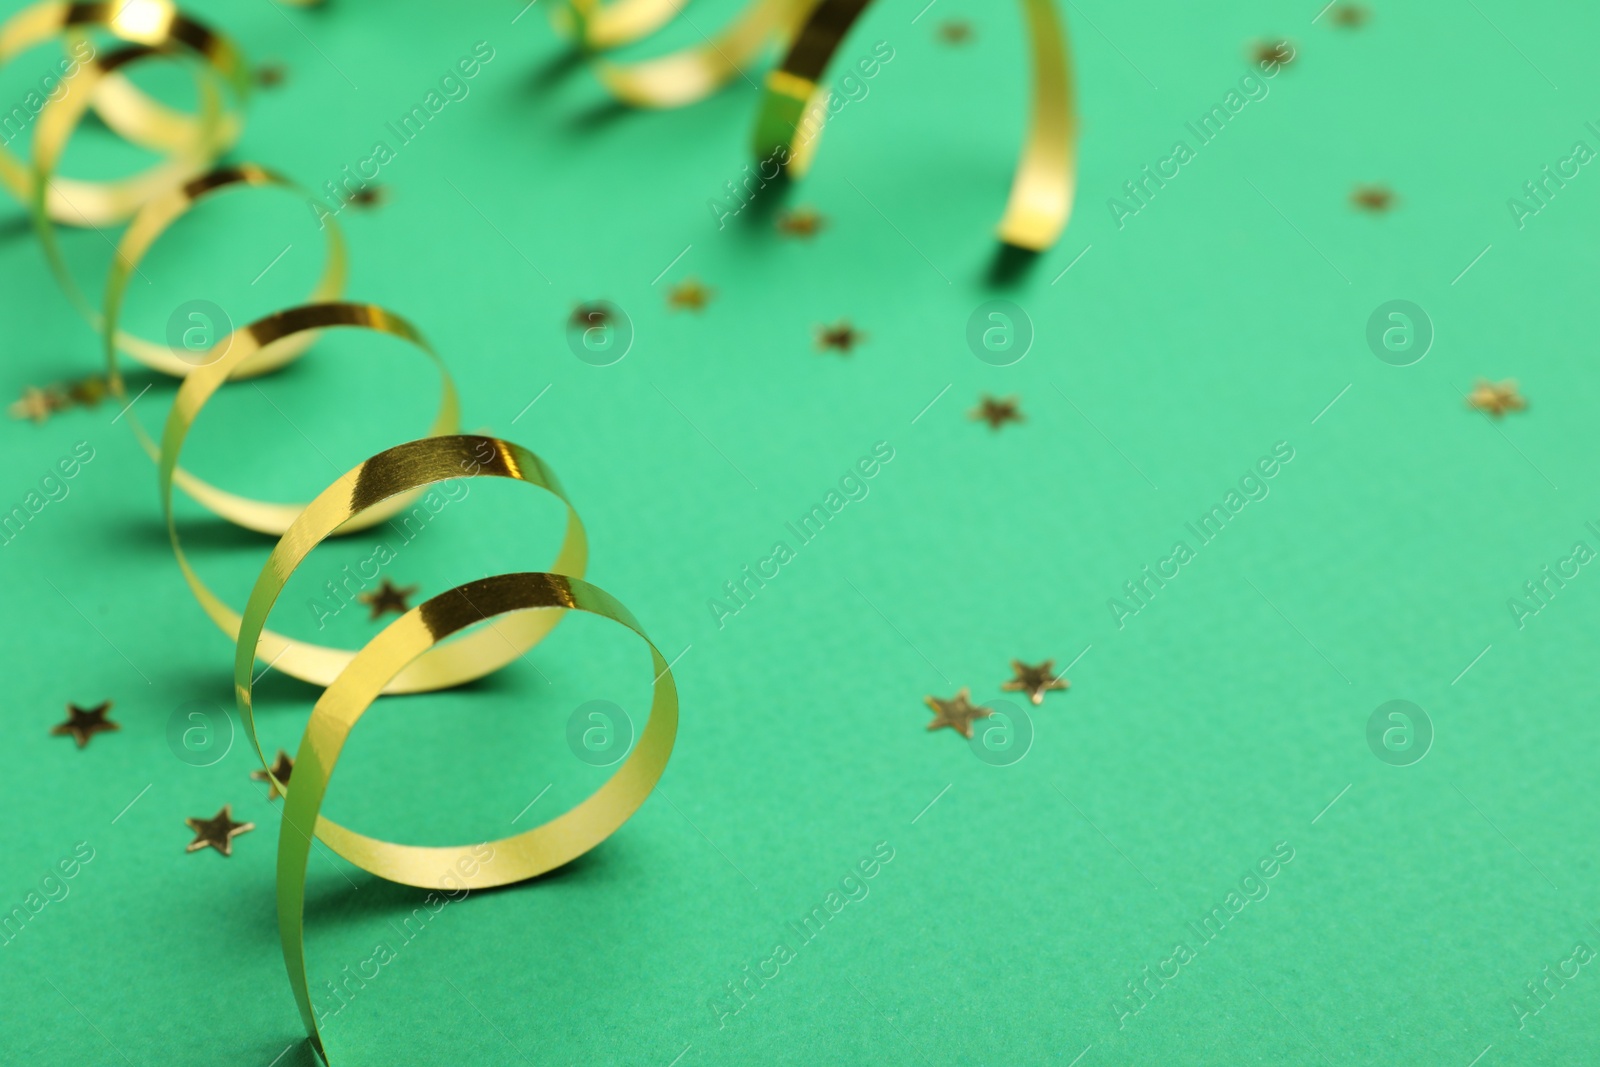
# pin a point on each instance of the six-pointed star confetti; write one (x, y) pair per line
(690, 294)
(84, 723)
(841, 337)
(218, 831)
(1496, 398)
(282, 767)
(956, 713)
(388, 597)
(1035, 681)
(997, 412)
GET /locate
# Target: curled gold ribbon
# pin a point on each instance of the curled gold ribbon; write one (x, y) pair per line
(794, 103)
(602, 25)
(157, 31)
(692, 74)
(150, 27)
(400, 649)
(506, 615)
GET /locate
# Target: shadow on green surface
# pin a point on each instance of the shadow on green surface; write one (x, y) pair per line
(298, 1054)
(557, 69)
(1010, 265)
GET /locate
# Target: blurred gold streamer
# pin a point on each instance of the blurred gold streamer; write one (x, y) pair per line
(794, 102)
(500, 617)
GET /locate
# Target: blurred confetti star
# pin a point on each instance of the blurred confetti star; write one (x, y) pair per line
(84, 723)
(388, 597)
(36, 404)
(841, 338)
(218, 831)
(1274, 53)
(997, 412)
(956, 713)
(801, 222)
(690, 294)
(592, 313)
(1374, 198)
(1035, 681)
(955, 31)
(1496, 399)
(1350, 16)
(282, 767)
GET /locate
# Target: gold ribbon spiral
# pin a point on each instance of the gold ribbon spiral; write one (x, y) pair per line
(794, 104)
(500, 617)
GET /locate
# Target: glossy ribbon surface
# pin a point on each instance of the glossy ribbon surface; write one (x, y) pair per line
(488, 622)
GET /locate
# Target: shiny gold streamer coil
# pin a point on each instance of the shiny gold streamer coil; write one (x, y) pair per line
(794, 102)
(497, 618)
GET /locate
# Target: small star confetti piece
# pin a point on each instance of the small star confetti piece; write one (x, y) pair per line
(1496, 398)
(1349, 16)
(801, 222)
(840, 338)
(997, 412)
(1374, 198)
(87, 392)
(218, 831)
(84, 723)
(690, 294)
(369, 196)
(1273, 53)
(37, 404)
(1035, 681)
(282, 767)
(588, 315)
(955, 31)
(956, 713)
(387, 597)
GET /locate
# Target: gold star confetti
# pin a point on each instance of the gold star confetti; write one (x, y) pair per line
(387, 597)
(1273, 53)
(1496, 399)
(368, 196)
(1374, 198)
(1035, 681)
(997, 412)
(217, 831)
(282, 767)
(271, 75)
(955, 31)
(589, 315)
(956, 713)
(688, 294)
(1350, 16)
(84, 723)
(37, 404)
(87, 392)
(801, 222)
(841, 337)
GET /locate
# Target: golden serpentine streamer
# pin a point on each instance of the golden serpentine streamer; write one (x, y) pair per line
(795, 103)
(499, 617)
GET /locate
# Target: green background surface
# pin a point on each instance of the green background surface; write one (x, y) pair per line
(1220, 721)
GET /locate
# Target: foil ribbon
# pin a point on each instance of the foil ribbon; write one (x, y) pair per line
(794, 101)
(498, 618)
